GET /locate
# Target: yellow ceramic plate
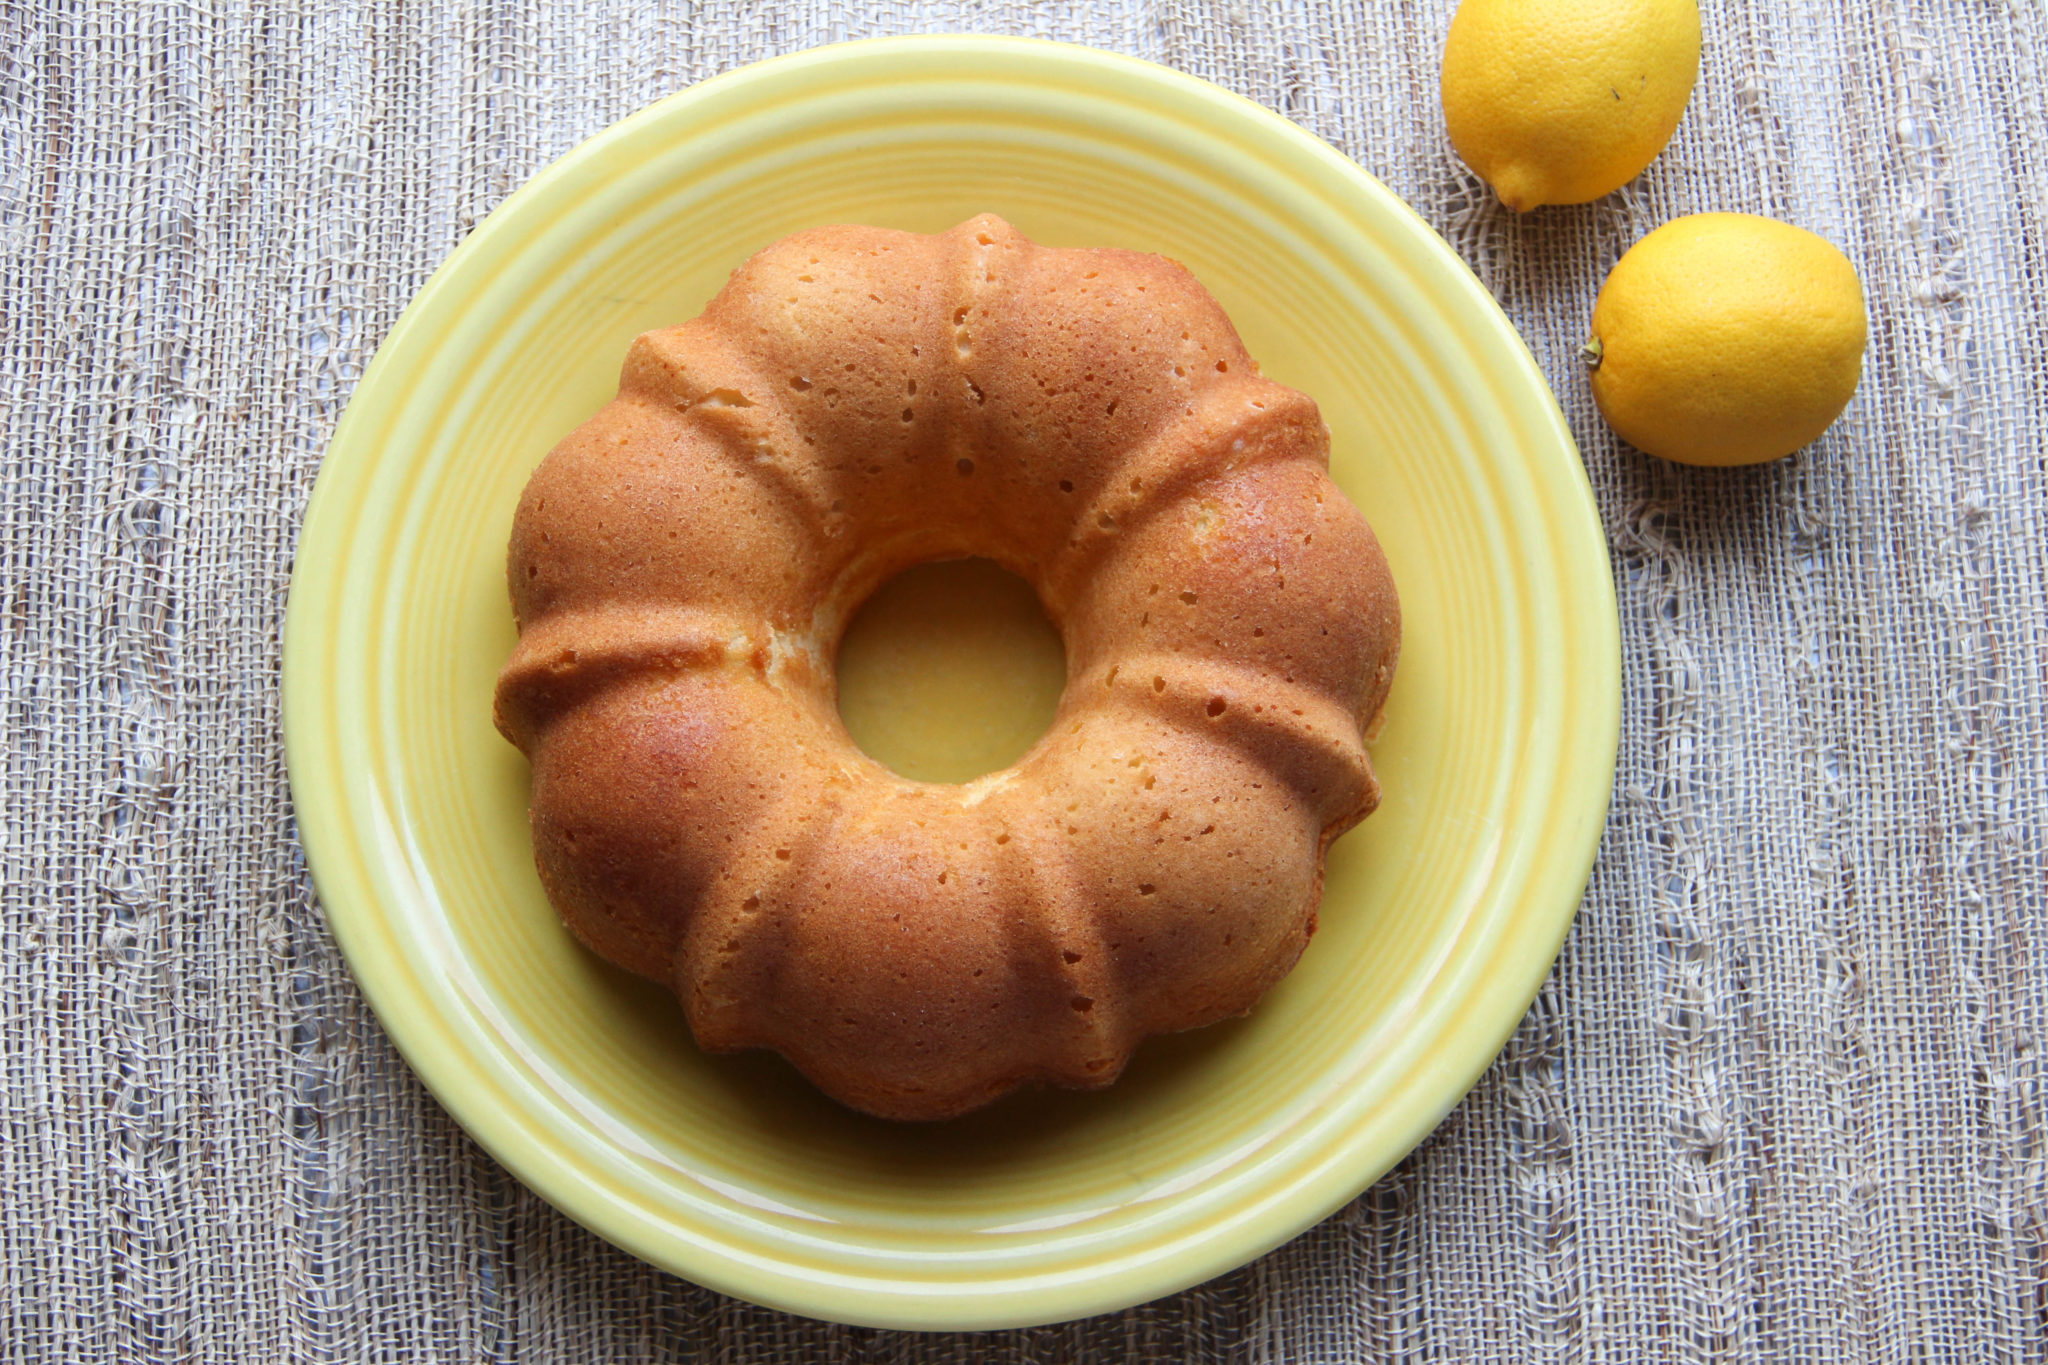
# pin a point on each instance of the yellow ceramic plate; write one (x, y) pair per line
(1443, 911)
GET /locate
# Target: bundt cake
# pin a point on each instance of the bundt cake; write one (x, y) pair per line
(856, 401)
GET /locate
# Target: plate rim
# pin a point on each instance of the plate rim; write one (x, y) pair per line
(1518, 964)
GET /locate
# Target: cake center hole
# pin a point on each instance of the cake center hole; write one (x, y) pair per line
(951, 670)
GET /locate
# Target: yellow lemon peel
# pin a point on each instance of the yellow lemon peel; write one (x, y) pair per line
(1726, 339)
(1560, 103)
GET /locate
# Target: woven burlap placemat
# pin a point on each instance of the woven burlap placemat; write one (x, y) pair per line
(1782, 1098)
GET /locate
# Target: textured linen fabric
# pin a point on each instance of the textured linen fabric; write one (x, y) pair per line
(1782, 1098)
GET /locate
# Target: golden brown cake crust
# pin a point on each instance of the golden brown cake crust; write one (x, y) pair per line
(858, 400)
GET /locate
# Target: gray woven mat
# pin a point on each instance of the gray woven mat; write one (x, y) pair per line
(1782, 1099)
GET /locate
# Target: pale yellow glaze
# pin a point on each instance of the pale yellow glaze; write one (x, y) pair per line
(1441, 914)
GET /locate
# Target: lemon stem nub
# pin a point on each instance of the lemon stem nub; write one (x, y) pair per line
(1591, 351)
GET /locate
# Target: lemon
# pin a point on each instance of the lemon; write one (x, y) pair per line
(1561, 101)
(1724, 338)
